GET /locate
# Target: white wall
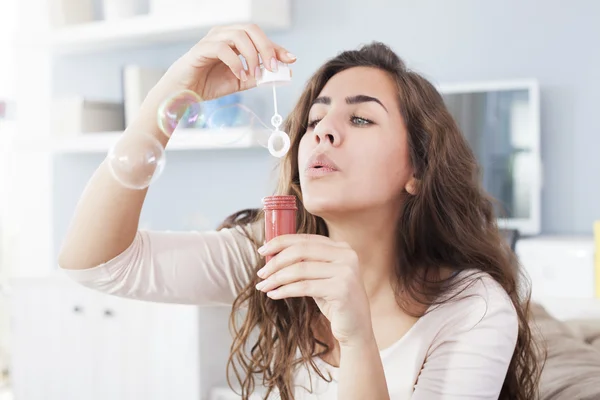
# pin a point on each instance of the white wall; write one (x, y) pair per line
(450, 41)
(8, 21)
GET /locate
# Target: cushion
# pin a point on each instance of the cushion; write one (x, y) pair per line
(572, 368)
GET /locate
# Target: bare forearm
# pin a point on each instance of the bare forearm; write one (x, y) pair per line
(107, 215)
(361, 373)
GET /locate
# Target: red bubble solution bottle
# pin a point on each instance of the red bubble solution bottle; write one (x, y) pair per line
(280, 216)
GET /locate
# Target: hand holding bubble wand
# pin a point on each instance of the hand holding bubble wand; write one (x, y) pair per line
(136, 161)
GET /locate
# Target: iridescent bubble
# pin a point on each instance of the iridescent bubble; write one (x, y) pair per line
(182, 110)
(136, 160)
(237, 125)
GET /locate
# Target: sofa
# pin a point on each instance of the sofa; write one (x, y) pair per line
(572, 366)
(571, 369)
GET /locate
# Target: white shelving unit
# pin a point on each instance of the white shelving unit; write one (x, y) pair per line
(36, 146)
(155, 29)
(187, 139)
(34, 185)
(181, 140)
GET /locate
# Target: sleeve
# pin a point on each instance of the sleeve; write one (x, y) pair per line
(470, 357)
(200, 268)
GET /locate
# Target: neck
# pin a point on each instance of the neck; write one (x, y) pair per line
(373, 238)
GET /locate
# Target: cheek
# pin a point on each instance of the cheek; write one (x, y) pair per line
(385, 169)
(304, 151)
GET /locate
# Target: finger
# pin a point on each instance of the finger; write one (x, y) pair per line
(222, 51)
(284, 55)
(301, 251)
(304, 270)
(269, 52)
(309, 288)
(280, 242)
(241, 42)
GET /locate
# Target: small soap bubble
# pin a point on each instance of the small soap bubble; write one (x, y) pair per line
(182, 110)
(136, 160)
(236, 124)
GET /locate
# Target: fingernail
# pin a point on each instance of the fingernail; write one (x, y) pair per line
(261, 249)
(260, 285)
(261, 272)
(290, 55)
(243, 75)
(274, 64)
(257, 72)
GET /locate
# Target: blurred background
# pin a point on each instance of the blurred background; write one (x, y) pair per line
(520, 77)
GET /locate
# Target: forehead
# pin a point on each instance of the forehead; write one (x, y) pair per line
(361, 80)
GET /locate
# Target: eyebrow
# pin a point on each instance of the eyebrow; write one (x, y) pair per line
(361, 98)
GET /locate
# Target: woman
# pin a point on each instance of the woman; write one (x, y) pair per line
(397, 285)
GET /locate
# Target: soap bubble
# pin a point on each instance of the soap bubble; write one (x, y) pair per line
(237, 125)
(227, 122)
(136, 160)
(182, 110)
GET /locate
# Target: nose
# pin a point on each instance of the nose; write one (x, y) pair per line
(326, 131)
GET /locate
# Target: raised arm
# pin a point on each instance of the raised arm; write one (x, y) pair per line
(107, 216)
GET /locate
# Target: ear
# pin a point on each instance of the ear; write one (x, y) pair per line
(411, 186)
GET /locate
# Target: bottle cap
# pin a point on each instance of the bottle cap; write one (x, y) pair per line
(280, 202)
(282, 76)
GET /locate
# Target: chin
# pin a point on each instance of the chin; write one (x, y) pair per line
(317, 202)
(327, 204)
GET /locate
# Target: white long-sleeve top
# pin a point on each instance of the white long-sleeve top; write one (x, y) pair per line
(460, 350)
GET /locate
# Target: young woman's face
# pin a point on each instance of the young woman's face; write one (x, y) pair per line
(354, 155)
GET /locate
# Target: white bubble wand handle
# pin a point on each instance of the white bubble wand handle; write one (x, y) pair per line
(276, 119)
(279, 141)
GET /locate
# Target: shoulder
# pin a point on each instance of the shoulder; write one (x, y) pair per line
(473, 337)
(478, 304)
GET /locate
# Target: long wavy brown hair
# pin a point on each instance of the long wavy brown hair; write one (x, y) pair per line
(449, 222)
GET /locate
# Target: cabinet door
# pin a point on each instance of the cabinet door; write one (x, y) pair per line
(50, 342)
(173, 370)
(74, 367)
(145, 350)
(72, 343)
(109, 319)
(31, 308)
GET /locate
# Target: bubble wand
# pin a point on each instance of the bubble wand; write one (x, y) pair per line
(281, 76)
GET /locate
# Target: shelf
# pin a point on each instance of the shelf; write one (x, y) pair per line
(181, 140)
(150, 29)
(184, 139)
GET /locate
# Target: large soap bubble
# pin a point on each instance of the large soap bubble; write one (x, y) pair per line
(136, 160)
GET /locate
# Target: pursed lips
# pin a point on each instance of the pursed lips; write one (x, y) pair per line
(320, 165)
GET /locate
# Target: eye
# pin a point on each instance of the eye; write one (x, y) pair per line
(360, 121)
(313, 122)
